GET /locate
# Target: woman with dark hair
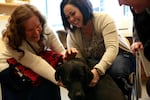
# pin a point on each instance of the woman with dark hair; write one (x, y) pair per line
(25, 36)
(95, 37)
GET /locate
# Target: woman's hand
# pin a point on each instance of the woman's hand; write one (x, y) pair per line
(70, 53)
(96, 77)
(136, 46)
(59, 83)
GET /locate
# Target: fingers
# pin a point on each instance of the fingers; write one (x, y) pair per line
(136, 46)
(95, 79)
(70, 53)
(60, 84)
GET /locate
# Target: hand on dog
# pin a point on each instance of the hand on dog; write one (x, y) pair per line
(70, 53)
(59, 83)
(95, 79)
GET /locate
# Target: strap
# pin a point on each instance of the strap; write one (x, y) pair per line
(31, 47)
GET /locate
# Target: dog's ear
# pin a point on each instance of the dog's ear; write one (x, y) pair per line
(58, 73)
(89, 74)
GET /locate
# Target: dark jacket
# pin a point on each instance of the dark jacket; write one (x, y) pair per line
(141, 30)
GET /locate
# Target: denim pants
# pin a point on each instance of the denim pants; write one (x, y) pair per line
(123, 65)
(120, 70)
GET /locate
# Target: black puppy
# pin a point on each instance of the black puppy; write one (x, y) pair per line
(76, 76)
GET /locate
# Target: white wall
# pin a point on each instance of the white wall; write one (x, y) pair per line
(3, 22)
(40, 4)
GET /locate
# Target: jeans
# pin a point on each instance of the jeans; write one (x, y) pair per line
(123, 65)
(120, 70)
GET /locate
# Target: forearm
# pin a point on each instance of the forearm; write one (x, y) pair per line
(39, 66)
(112, 47)
(106, 62)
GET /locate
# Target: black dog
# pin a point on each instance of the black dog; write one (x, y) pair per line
(76, 76)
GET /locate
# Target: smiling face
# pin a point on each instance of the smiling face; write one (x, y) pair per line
(33, 29)
(73, 15)
(137, 5)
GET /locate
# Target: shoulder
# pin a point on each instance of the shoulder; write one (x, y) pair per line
(49, 33)
(101, 20)
(74, 35)
(102, 16)
(2, 44)
(47, 29)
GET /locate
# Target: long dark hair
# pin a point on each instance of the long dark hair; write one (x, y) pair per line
(84, 6)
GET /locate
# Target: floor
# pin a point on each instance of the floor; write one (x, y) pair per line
(64, 94)
(144, 95)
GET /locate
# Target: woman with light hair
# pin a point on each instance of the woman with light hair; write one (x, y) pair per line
(26, 35)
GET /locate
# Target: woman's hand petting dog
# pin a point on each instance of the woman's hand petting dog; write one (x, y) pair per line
(59, 83)
(70, 53)
(96, 77)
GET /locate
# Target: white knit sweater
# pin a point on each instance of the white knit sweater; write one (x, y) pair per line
(30, 59)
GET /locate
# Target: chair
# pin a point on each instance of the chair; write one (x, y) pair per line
(62, 35)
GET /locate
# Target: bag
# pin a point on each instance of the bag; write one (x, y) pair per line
(25, 77)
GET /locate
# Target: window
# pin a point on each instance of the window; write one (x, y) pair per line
(51, 9)
(112, 8)
(54, 17)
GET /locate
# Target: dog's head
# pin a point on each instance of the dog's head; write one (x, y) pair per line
(76, 76)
